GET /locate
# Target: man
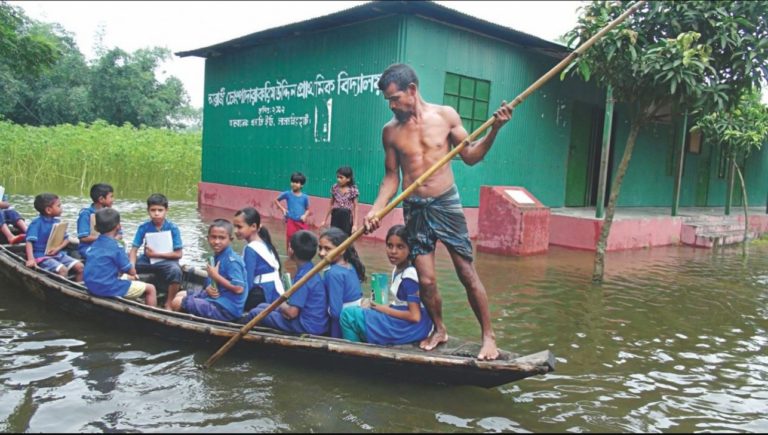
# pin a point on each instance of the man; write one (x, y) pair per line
(418, 135)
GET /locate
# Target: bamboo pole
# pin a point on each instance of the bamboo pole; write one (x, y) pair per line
(418, 182)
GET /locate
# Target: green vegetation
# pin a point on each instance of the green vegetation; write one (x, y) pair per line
(694, 57)
(67, 159)
(46, 80)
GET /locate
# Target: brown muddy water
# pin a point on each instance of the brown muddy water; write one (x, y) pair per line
(674, 341)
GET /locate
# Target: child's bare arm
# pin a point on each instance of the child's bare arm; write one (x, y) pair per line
(132, 255)
(413, 314)
(354, 214)
(328, 215)
(30, 256)
(289, 311)
(280, 206)
(175, 255)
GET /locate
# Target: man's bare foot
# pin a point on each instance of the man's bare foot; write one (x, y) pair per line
(434, 340)
(488, 351)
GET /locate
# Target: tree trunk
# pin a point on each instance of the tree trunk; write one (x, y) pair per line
(743, 201)
(597, 274)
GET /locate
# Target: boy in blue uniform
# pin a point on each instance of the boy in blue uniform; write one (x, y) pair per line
(167, 268)
(296, 210)
(53, 260)
(224, 295)
(9, 216)
(102, 196)
(306, 311)
(107, 260)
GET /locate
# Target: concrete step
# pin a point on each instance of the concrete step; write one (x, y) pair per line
(691, 230)
(721, 238)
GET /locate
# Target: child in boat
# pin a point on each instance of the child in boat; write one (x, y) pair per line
(296, 210)
(405, 320)
(166, 265)
(102, 196)
(38, 232)
(107, 261)
(9, 216)
(262, 262)
(342, 279)
(343, 207)
(224, 294)
(306, 311)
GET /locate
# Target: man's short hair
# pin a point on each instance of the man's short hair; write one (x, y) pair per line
(298, 177)
(304, 245)
(157, 199)
(107, 219)
(100, 189)
(400, 74)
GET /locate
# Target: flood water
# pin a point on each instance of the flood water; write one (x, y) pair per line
(674, 341)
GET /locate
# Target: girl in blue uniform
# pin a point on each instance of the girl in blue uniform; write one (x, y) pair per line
(342, 279)
(262, 262)
(405, 320)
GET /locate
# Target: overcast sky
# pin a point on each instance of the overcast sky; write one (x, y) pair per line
(180, 25)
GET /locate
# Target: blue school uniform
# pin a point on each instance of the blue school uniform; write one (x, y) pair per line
(296, 205)
(149, 227)
(84, 228)
(229, 305)
(343, 287)
(106, 259)
(169, 270)
(384, 329)
(38, 232)
(232, 268)
(311, 299)
(262, 268)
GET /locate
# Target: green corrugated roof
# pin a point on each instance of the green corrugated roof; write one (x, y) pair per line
(377, 9)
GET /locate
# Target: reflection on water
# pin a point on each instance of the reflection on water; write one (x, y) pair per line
(674, 341)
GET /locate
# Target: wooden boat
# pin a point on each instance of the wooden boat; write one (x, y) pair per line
(452, 363)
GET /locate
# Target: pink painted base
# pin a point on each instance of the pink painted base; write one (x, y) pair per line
(566, 231)
(584, 233)
(235, 198)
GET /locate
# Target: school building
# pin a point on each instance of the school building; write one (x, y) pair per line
(303, 97)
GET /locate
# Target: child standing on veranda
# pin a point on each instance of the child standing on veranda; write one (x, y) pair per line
(38, 232)
(224, 294)
(107, 260)
(296, 210)
(262, 262)
(342, 279)
(405, 320)
(167, 267)
(306, 311)
(343, 207)
(102, 196)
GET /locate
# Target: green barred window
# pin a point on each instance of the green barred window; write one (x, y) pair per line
(469, 96)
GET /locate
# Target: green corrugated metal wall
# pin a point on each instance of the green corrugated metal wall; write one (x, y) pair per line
(531, 151)
(264, 157)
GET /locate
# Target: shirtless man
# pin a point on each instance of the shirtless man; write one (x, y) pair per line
(417, 136)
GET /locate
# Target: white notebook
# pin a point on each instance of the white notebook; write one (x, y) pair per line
(160, 242)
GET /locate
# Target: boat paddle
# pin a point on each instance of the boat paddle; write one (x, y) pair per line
(415, 185)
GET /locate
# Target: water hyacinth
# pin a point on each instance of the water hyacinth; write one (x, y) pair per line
(68, 159)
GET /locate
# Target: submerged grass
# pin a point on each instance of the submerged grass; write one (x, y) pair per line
(67, 159)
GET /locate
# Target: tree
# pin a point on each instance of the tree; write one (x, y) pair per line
(61, 93)
(694, 56)
(739, 132)
(124, 89)
(24, 53)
